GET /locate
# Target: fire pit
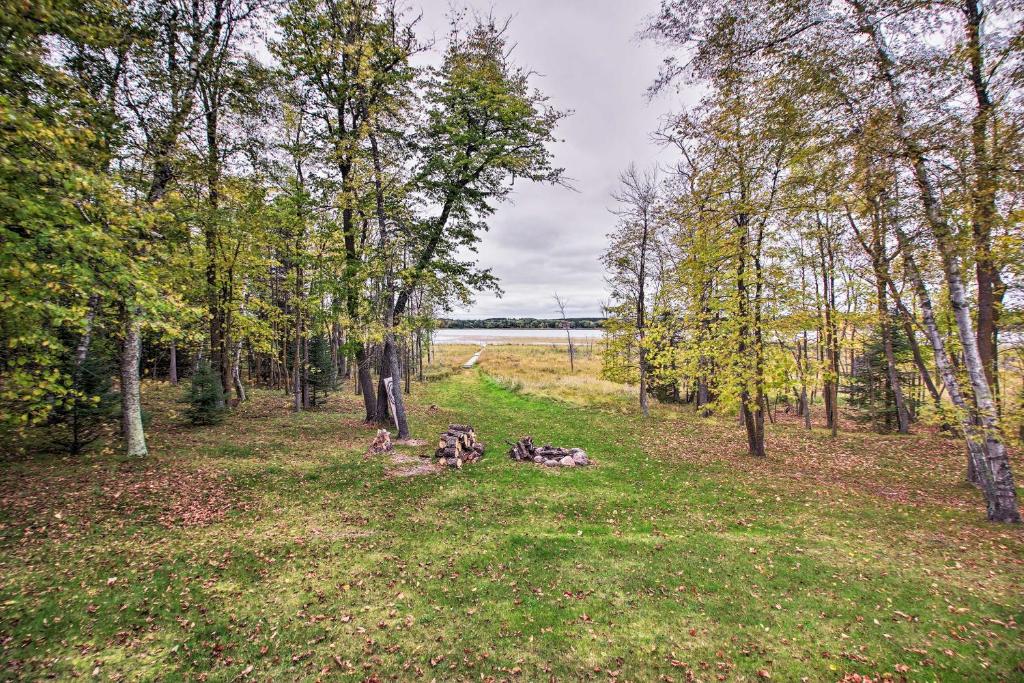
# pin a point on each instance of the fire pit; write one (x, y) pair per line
(547, 455)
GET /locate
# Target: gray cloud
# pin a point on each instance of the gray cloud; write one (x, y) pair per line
(589, 61)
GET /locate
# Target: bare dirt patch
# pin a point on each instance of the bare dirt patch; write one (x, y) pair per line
(410, 466)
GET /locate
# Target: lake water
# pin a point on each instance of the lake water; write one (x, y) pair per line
(448, 336)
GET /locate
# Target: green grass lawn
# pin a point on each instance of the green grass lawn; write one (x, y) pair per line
(271, 548)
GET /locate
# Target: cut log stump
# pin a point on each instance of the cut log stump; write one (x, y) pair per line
(381, 443)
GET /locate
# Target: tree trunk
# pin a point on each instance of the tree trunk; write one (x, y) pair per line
(640, 311)
(237, 373)
(644, 408)
(407, 348)
(382, 413)
(395, 368)
(335, 355)
(805, 403)
(702, 395)
(131, 400)
(751, 419)
(173, 369)
(805, 407)
(983, 199)
(915, 349)
(419, 352)
(215, 312)
(297, 363)
(82, 349)
(996, 473)
(758, 448)
(568, 337)
(365, 382)
(307, 402)
(830, 390)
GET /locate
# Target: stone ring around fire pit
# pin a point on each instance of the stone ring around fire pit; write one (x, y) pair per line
(547, 455)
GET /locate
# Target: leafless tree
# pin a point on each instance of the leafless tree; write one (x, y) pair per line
(637, 197)
(566, 325)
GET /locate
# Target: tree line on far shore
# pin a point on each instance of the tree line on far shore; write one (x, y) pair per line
(521, 323)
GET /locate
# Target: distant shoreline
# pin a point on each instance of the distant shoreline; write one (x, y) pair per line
(545, 336)
(520, 324)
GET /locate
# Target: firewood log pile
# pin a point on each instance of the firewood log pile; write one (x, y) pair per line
(548, 455)
(458, 446)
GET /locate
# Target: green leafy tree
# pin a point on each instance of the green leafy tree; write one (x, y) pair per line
(64, 222)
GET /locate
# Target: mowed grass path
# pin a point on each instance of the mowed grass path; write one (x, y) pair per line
(659, 563)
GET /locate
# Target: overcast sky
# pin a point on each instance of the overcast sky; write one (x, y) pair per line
(589, 60)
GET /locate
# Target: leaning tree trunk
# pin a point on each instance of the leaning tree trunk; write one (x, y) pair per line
(996, 475)
(131, 400)
(915, 349)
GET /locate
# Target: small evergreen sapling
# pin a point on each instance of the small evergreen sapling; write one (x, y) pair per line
(322, 374)
(205, 397)
(869, 382)
(91, 405)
